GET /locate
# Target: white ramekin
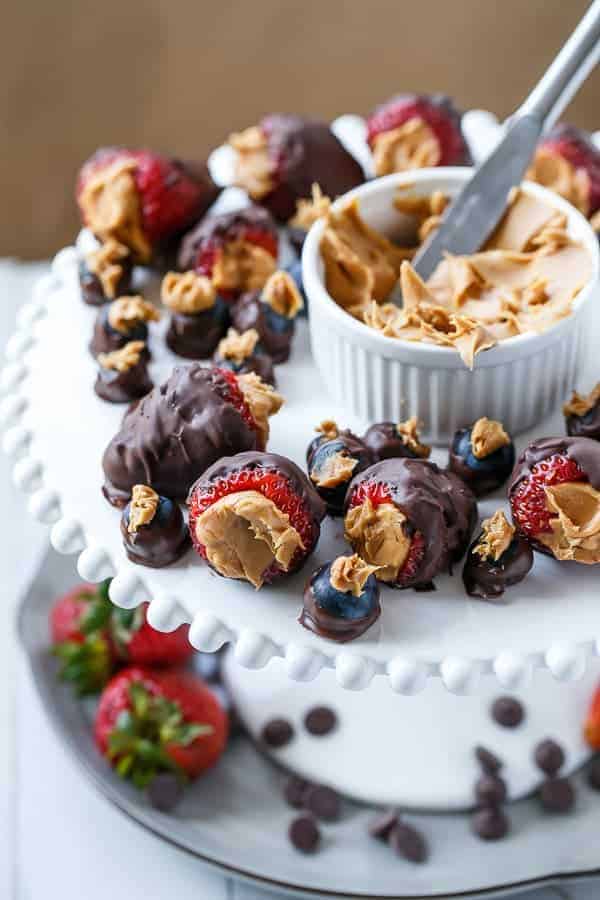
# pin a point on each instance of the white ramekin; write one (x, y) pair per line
(519, 382)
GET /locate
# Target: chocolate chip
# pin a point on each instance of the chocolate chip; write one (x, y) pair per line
(382, 826)
(277, 733)
(490, 823)
(593, 776)
(323, 802)
(508, 712)
(488, 761)
(304, 834)
(165, 791)
(490, 790)
(320, 720)
(294, 791)
(549, 756)
(409, 843)
(557, 795)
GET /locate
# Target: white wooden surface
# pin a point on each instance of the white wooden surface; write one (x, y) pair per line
(58, 838)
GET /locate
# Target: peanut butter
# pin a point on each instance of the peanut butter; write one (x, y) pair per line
(309, 211)
(378, 535)
(580, 404)
(253, 166)
(409, 433)
(413, 145)
(238, 347)
(187, 292)
(241, 266)
(336, 469)
(124, 359)
(282, 295)
(496, 537)
(555, 172)
(107, 264)
(143, 506)
(487, 436)
(576, 522)
(349, 574)
(125, 313)
(263, 400)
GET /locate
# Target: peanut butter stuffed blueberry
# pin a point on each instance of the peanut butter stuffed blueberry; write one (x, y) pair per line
(387, 440)
(582, 414)
(198, 317)
(153, 528)
(483, 455)
(123, 374)
(105, 273)
(341, 599)
(497, 559)
(272, 313)
(333, 458)
(124, 320)
(242, 353)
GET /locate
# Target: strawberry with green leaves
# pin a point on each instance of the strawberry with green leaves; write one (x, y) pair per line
(151, 722)
(79, 625)
(137, 643)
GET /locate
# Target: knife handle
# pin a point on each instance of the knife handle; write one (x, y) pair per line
(563, 78)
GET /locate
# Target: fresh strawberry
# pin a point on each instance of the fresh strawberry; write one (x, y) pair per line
(436, 110)
(528, 500)
(568, 162)
(591, 728)
(81, 641)
(378, 493)
(137, 643)
(171, 194)
(149, 722)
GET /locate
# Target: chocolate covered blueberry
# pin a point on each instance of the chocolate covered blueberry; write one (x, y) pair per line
(388, 440)
(153, 528)
(123, 374)
(333, 458)
(105, 273)
(483, 455)
(279, 160)
(341, 599)
(497, 559)
(242, 354)
(254, 517)
(198, 317)
(237, 250)
(200, 414)
(272, 313)
(582, 414)
(124, 320)
(410, 518)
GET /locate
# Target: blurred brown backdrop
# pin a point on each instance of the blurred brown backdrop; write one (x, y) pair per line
(179, 75)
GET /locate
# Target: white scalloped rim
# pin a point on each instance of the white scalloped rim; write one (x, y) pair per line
(419, 635)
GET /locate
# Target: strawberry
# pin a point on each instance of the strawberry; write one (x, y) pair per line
(157, 197)
(148, 722)
(137, 643)
(530, 511)
(79, 623)
(591, 728)
(567, 161)
(436, 111)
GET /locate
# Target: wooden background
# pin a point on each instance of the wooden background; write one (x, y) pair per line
(179, 75)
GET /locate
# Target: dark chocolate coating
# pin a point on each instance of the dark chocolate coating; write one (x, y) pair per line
(162, 541)
(348, 444)
(587, 425)
(259, 363)
(275, 331)
(336, 628)
(123, 387)
(196, 336)
(583, 450)
(305, 151)
(483, 475)
(105, 338)
(384, 442)
(436, 503)
(175, 433)
(488, 578)
(92, 291)
(222, 228)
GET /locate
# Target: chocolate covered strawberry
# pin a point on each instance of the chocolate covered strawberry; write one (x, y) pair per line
(255, 517)
(568, 162)
(555, 497)
(237, 251)
(410, 519)
(79, 627)
(141, 199)
(279, 161)
(149, 722)
(137, 643)
(411, 131)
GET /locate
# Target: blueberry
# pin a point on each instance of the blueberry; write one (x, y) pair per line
(482, 474)
(340, 604)
(276, 322)
(320, 451)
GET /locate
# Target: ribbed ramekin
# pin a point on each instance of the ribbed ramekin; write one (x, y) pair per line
(519, 382)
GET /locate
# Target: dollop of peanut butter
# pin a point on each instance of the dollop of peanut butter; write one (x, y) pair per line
(238, 347)
(557, 173)
(496, 536)
(413, 145)
(107, 264)
(336, 469)
(111, 206)
(349, 574)
(409, 433)
(244, 534)
(143, 506)
(575, 524)
(263, 400)
(487, 436)
(253, 166)
(241, 266)
(124, 359)
(310, 211)
(125, 313)
(282, 295)
(187, 292)
(580, 404)
(378, 534)
(328, 428)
